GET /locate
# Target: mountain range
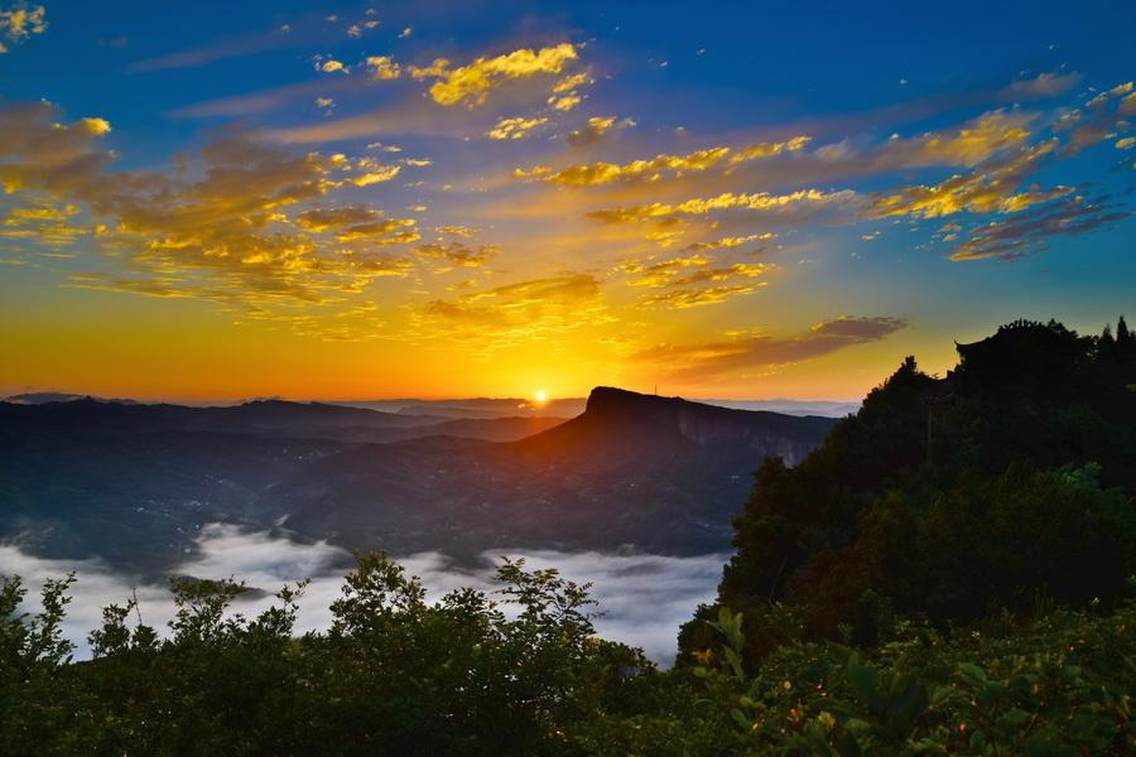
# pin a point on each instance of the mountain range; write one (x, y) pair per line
(133, 484)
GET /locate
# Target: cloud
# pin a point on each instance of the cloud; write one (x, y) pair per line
(222, 235)
(515, 128)
(653, 169)
(991, 188)
(374, 173)
(968, 145)
(744, 353)
(470, 84)
(723, 273)
(19, 22)
(691, 281)
(642, 598)
(565, 102)
(593, 131)
(575, 81)
(730, 242)
(322, 219)
(681, 299)
(47, 225)
(355, 31)
(458, 254)
(456, 230)
(266, 100)
(521, 312)
(1026, 233)
(416, 116)
(1102, 118)
(386, 231)
(382, 67)
(232, 47)
(1042, 85)
(761, 150)
(330, 65)
(759, 201)
(662, 273)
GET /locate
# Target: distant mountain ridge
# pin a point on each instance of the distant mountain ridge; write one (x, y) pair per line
(134, 484)
(479, 407)
(280, 418)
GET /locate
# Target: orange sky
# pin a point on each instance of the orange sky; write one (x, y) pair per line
(373, 203)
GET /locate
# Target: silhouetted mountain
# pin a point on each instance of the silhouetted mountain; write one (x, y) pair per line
(643, 423)
(277, 418)
(135, 483)
(42, 398)
(658, 473)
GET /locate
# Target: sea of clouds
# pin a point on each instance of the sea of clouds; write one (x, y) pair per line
(642, 598)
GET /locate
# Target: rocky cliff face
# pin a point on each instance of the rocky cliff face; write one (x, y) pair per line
(761, 433)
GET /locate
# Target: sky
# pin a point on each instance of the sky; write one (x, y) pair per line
(437, 199)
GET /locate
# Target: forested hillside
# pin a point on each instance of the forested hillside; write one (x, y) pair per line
(1005, 483)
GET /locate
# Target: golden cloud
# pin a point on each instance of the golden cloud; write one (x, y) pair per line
(521, 312)
(682, 299)
(653, 169)
(662, 273)
(459, 254)
(569, 83)
(20, 22)
(471, 83)
(565, 102)
(223, 236)
(47, 225)
(320, 219)
(329, 65)
(382, 67)
(741, 354)
(373, 173)
(760, 201)
(377, 232)
(456, 230)
(989, 189)
(593, 131)
(969, 145)
(514, 128)
(730, 242)
(691, 281)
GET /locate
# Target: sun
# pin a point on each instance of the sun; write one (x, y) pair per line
(540, 396)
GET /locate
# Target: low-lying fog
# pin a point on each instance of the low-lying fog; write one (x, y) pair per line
(643, 598)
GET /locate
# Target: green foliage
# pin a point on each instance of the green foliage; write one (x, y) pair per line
(1061, 684)
(394, 675)
(400, 675)
(1008, 479)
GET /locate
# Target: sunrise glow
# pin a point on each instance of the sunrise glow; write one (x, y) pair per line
(330, 205)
